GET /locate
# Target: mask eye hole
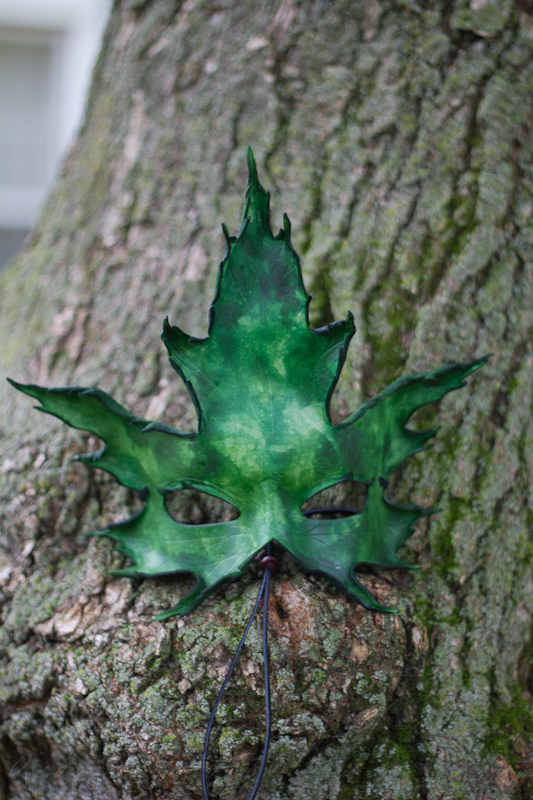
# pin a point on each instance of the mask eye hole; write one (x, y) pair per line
(192, 507)
(341, 500)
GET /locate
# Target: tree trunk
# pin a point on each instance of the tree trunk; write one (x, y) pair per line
(398, 138)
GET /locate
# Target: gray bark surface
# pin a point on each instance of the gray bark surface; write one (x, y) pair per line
(398, 138)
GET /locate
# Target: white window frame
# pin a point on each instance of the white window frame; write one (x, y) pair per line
(19, 206)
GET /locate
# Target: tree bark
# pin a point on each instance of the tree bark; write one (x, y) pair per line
(398, 138)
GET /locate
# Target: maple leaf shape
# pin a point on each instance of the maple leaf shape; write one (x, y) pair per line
(261, 383)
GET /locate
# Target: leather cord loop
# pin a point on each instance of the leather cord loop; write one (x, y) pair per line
(263, 592)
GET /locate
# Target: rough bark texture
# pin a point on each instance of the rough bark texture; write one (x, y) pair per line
(398, 138)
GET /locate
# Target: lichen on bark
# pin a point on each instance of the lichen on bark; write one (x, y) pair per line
(398, 138)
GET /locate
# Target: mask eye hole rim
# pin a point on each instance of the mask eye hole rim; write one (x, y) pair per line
(341, 508)
(193, 499)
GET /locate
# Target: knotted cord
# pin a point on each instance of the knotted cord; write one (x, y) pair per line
(269, 564)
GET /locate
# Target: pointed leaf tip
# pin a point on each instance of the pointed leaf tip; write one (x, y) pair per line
(254, 184)
(257, 202)
(253, 178)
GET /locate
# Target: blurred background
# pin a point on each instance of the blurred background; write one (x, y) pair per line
(47, 51)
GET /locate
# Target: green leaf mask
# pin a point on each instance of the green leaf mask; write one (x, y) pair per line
(261, 382)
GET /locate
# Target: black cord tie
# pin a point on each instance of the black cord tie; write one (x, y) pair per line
(269, 564)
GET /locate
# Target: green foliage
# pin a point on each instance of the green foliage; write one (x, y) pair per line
(261, 383)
